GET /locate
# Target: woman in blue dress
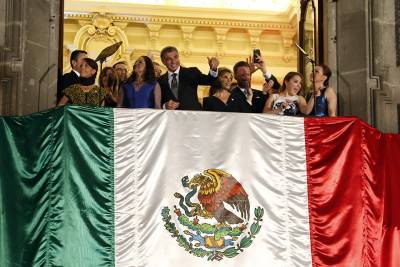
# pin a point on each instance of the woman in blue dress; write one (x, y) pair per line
(325, 95)
(142, 89)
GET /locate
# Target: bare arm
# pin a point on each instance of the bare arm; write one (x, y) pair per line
(310, 105)
(120, 97)
(157, 96)
(303, 105)
(114, 95)
(63, 101)
(332, 101)
(268, 106)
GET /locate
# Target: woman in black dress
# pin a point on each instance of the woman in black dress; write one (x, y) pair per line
(219, 91)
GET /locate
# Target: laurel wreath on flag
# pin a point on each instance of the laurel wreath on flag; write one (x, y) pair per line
(229, 252)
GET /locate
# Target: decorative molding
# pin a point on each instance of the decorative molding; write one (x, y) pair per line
(102, 27)
(154, 35)
(287, 40)
(244, 24)
(254, 38)
(187, 34)
(210, 40)
(373, 83)
(221, 37)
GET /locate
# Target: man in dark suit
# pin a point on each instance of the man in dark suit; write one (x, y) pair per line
(243, 98)
(72, 77)
(179, 84)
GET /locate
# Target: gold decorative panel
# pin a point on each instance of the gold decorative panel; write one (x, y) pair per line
(228, 33)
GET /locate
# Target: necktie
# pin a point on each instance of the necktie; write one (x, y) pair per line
(174, 85)
(245, 93)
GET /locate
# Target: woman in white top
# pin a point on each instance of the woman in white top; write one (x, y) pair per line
(288, 102)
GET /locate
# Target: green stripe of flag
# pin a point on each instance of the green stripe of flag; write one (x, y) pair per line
(57, 188)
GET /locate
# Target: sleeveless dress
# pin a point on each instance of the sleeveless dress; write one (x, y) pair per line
(322, 105)
(143, 98)
(293, 107)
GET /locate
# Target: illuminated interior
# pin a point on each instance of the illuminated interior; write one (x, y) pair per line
(229, 30)
(266, 5)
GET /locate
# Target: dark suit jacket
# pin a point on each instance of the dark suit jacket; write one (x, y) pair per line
(237, 102)
(189, 79)
(67, 79)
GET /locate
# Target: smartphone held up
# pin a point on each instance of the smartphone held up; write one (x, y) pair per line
(256, 55)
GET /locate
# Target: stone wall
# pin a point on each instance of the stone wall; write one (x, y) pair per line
(28, 55)
(387, 98)
(361, 50)
(352, 59)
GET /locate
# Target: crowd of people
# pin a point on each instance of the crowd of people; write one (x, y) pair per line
(230, 91)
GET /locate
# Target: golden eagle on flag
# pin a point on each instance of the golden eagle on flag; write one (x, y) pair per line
(216, 188)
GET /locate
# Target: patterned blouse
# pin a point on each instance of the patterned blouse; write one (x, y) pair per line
(77, 96)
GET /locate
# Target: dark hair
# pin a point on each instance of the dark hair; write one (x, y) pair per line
(120, 62)
(288, 77)
(149, 74)
(327, 72)
(75, 54)
(167, 50)
(92, 64)
(240, 64)
(104, 73)
(216, 86)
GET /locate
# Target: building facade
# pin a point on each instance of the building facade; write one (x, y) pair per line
(361, 44)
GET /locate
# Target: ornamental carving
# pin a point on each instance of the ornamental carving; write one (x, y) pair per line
(192, 21)
(100, 32)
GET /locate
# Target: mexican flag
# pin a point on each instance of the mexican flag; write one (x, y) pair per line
(82, 186)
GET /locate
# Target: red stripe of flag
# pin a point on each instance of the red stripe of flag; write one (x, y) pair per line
(354, 193)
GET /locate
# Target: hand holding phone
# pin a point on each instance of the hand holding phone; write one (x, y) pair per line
(256, 55)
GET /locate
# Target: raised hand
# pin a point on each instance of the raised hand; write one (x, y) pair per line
(213, 63)
(253, 67)
(267, 88)
(261, 64)
(285, 105)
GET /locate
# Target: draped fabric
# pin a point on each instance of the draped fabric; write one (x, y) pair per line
(56, 190)
(86, 186)
(155, 149)
(354, 191)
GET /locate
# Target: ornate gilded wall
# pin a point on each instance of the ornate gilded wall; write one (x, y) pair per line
(197, 33)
